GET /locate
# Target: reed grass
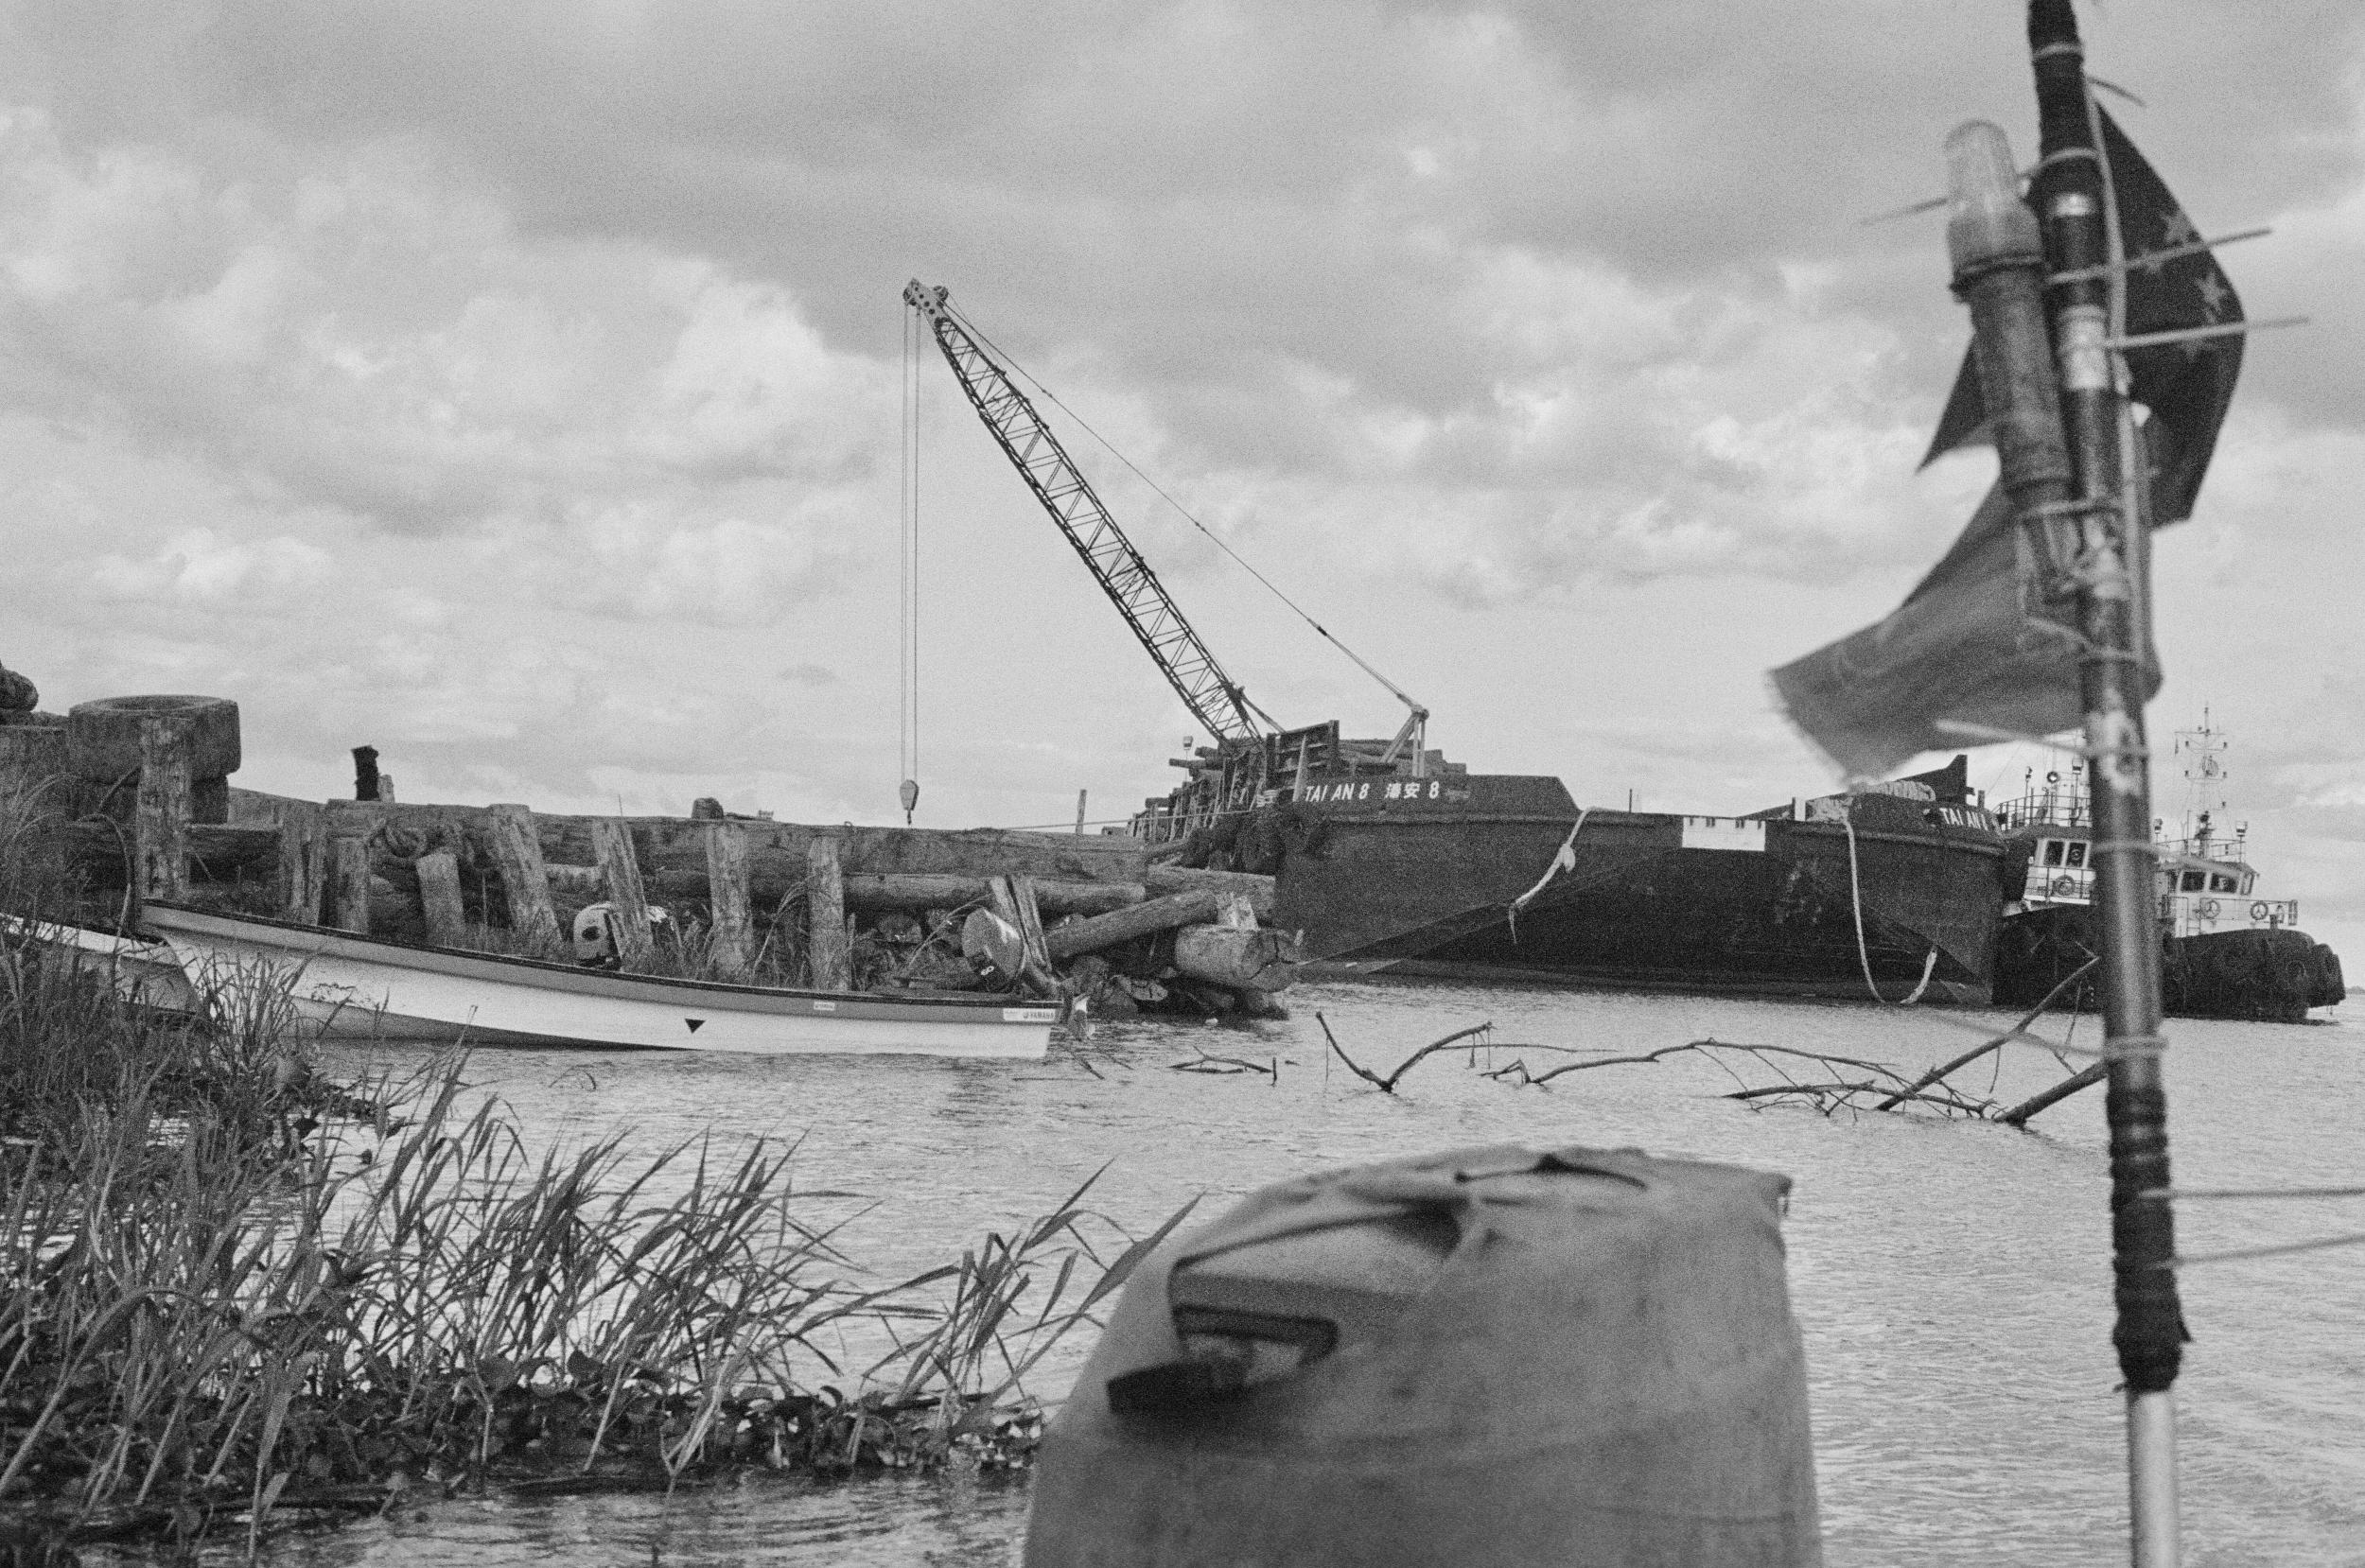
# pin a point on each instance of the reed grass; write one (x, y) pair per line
(231, 1293)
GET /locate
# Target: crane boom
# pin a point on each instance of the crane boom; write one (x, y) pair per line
(1211, 695)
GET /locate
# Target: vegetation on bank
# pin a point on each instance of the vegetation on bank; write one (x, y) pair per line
(232, 1293)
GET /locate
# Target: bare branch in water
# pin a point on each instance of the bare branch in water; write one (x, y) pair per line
(1388, 1084)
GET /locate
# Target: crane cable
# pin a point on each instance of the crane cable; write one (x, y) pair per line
(907, 600)
(970, 327)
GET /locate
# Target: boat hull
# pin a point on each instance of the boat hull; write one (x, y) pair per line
(1651, 901)
(142, 972)
(348, 986)
(2258, 976)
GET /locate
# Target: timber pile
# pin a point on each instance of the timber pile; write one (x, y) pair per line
(136, 797)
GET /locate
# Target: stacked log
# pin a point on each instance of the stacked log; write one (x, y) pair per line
(835, 907)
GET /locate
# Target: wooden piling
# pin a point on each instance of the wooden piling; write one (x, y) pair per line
(303, 860)
(349, 882)
(611, 841)
(439, 898)
(161, 813)
(517, 857)
(828, 953)
(731, 939)
(1014, 898)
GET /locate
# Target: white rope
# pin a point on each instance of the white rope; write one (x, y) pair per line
(908, 547)
(1564, 859)
(1855, 899)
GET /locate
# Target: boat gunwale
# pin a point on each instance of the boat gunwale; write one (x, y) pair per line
(396, 953)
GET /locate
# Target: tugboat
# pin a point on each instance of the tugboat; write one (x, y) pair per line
(2228, 948)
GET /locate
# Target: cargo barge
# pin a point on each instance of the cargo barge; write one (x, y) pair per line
(1893, 894)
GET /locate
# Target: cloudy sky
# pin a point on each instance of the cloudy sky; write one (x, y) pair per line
(517, 388)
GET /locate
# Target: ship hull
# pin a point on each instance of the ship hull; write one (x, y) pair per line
(2258, 976)
(1501, 889)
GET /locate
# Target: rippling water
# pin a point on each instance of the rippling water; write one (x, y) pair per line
(1953, 1279)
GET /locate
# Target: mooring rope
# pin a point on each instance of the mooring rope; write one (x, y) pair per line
(1564, 859)
(1855, 899)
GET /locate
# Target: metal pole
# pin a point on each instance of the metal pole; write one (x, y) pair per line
(2067, 194)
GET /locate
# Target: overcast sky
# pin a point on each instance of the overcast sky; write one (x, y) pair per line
(515, 388)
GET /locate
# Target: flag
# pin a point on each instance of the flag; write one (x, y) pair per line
(1979, 643)
(2186, 386)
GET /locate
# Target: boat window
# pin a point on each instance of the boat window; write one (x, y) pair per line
(2193, 881)
(2052, 851)
(2078, 851)
(2220, 884)
(2248, 878)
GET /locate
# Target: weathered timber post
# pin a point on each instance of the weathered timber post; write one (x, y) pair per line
(439, 897)
(349, 882)
(303, 860)
(1014, 900)
(726, 886)
(517, 855)
(102, 750)
(611, 841)
(32, 762)
(828, 953)
(160, 811)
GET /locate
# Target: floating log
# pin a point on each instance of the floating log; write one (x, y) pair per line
(732, 942)
(517, 850)
(611, 841)
(1177, 879)
(439, 898)
(160, 816)
(829, 954)
(1107, 931)
(1236, 959)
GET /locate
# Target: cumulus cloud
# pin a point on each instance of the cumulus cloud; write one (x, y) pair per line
(372, 335)
(514, 386)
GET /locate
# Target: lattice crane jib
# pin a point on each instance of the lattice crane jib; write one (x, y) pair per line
(1214, 699)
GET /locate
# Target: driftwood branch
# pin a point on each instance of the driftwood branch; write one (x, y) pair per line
(1704, 1047)
(1205, 1062)
(2018, 1115)
(1388, 1084)
(2016, 1032)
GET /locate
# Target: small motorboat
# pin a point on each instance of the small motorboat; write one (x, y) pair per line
(351, 985)
(139, 969)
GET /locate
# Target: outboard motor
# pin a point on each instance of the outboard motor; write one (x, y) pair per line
(594, 933)
(1492, 1356)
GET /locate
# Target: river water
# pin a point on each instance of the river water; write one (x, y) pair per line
(1951, 1277)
